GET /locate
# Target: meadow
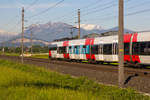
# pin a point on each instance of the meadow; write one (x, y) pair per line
(28, 82)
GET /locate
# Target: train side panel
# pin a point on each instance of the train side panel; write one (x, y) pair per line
(143, 40)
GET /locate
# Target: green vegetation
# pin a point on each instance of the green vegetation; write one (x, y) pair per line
(26, 82)
(35, 49)
(43, 56)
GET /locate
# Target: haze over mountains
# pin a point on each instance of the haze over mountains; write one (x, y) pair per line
(4, 36)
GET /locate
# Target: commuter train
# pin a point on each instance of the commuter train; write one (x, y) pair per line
(104, 49)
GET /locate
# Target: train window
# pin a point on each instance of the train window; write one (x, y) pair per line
(116, 46)
(143, 48)
(70, 50)
(135, 48)
(83, 50)
(76, 49)
(94, 49)
(88, 49)
(107, 49)
(53, 47)
(148, 48)
(126, 48)
(62, 50)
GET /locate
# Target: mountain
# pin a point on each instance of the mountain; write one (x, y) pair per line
(52, 31)
(58, 30)
(90, 27)
(116, 29)
(4, 36)
(27, 42)
(108, 32)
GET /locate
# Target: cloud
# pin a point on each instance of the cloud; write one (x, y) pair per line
(2, 32)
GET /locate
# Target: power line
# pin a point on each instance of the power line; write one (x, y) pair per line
(15, 26)
(71, 13)
(19, 2)
(101, 5)
(138, 12)
(98, 10)
(112, 4)
(32, 4)
(89, 9)
(138, 5)
(113, 17)
(55, 5)
(85, 7)
(105, 18)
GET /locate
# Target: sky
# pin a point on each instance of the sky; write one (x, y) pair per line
(98, 12)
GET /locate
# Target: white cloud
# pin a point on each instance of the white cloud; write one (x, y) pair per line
(89, 26)
(2, 32)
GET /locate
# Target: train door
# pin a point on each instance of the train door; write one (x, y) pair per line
(76, 52)
(67, 52)
(87, 52)
(101, 56)
(81, 52)
(73, 52)
(115, 51)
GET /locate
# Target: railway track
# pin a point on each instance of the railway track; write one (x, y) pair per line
(107, 68)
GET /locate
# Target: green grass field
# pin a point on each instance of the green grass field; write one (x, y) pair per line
(44, 56)
(26, 82)
(10, 54)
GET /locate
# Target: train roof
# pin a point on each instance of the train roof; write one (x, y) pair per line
(142, 36)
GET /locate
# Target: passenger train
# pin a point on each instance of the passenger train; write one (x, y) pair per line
(104, 49)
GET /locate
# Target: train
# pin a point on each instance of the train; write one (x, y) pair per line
(104, 49)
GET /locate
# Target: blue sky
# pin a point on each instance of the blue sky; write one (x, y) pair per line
(99, 12)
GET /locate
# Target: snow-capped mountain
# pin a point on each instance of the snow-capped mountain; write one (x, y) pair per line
(58, 30)
(51, 31)
(90, 27)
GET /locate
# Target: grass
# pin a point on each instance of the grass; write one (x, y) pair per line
(44, 56)
(10, 54)
(26, 82)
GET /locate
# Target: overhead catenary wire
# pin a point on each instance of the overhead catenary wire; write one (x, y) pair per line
(71, 18)
(138, 5)
(99, 6)
(106, 17)
(13, 18)
(115, 17)
(49, 8)
(91, 5)
(72, 13)
(105, 6)
(32, 4)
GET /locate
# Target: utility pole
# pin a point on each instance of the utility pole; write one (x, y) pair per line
(3, 49)
(78, 23)
(22, 44)
(121, 44)
(71, 32)
(31, 42)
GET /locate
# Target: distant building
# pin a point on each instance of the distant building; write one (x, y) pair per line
(109, 33)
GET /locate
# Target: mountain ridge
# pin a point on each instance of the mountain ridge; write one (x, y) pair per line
(57, 30)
